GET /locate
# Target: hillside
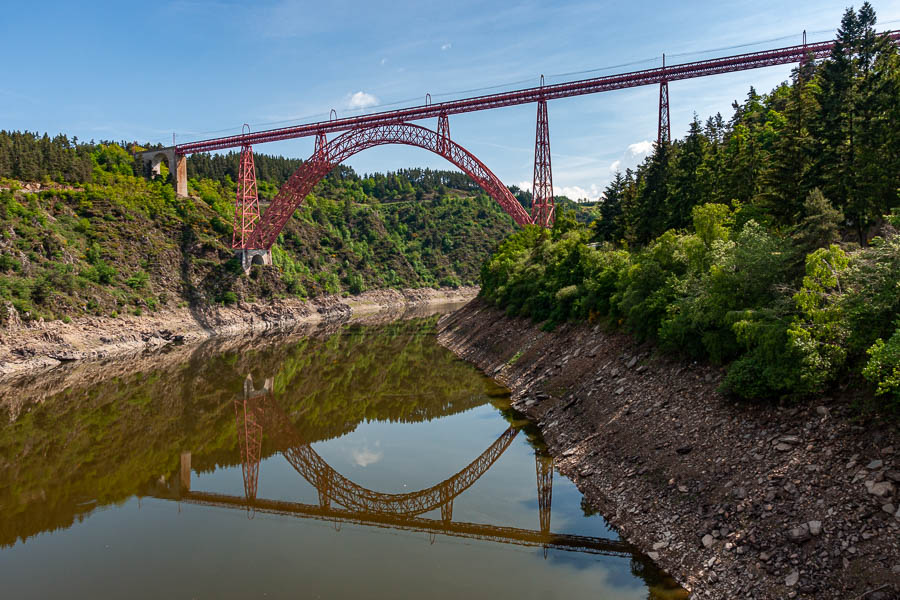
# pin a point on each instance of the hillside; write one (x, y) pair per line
(96, 238)
(766, 243)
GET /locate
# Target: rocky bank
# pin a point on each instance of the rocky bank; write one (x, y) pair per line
(735, 500)
(33, 346)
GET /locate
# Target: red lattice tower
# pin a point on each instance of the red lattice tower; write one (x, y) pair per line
(443, 132)
(542, 205)
(246, 206)
(249, 434)
(320, 154)
(664, 134)
(543, 466)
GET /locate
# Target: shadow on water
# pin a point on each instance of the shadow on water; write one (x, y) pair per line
(72, 448)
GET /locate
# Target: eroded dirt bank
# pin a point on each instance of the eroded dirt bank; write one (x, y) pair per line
(734, 500)
(30, 347)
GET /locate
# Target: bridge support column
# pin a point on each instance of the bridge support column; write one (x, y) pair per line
(185, 472)
(543, 466)
(180, 176)
(446, 507)
(153, 159)
(250, 257)
(664, 134)
(542, 203)
(249, 434)
(323, 488)
(443, 132)
(246, 203)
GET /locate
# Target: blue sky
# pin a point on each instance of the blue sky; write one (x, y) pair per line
(143, 70)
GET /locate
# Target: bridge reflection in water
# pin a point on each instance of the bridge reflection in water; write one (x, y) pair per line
(256, 412)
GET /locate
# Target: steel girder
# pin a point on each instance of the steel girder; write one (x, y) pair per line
(702, 68)
(353, 496)
(327, 155)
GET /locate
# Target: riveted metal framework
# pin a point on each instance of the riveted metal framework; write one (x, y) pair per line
(443, 131)
(353, 496)
(664, 133)
(392, 126)
(332, 153)
(542, 204)
(332, 486)
(246, 206)
(257, 410)
(543, 466)
(473, 531)
(249, 433)
(702, 68)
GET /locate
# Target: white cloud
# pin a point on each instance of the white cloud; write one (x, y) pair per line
(572, 192)
(365, 457)
(383, 61)
(361, 100)
(640, 148)
(446, 46)
(614, 168)
(576, 192)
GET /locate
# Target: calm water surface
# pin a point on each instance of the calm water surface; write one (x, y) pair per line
(353, 462)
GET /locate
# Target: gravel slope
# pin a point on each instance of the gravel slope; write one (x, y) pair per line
(734, 500)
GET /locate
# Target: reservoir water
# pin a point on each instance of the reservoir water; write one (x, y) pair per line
(347, 461)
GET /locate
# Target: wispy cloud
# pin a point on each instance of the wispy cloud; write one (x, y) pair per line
(640, 148)
(614, 167)
(576, 192)
(365, 457)
(361, 99)
(446, 46)
(573, 192)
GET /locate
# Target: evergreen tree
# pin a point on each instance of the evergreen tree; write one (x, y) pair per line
(644, 209)
(790, 172)
(609, 226)
(820, 225)
(689, 185)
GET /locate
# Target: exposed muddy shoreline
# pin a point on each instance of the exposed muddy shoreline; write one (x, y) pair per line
(733, 500)
(26, 348)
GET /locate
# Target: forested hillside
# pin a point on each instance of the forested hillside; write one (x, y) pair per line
(766, 242)
(96, 237)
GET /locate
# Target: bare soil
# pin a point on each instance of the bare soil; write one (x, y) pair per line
(735, 500)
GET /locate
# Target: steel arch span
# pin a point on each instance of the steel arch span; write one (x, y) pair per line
(327, 155)
(258, 407)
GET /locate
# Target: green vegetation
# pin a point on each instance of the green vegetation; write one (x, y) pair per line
(767, 243)
(97, 443)
(98, 237)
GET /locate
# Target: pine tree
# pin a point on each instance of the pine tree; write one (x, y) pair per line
(790, 172)
(820, 224)
(644, 209)
(609, 226)
(688, 185)
(835, 124)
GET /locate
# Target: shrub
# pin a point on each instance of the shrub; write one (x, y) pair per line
(100, 272)
(742, 275)
(650, 284)
(819, 333)
(138, 280)
(883, 367)
(8, 263)
(355, 283)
